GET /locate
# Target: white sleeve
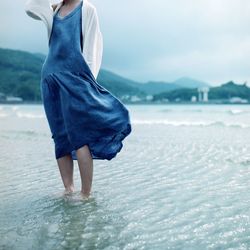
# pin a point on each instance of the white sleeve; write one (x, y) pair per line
(93, 42)
(38, 9)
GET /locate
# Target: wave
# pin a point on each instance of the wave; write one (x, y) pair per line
(183, 110)
(14, 108)
(208, 111)
(189, 123)
(238, 111)
(3, 115)
(166, 110)
(29, 115)
(10, 133)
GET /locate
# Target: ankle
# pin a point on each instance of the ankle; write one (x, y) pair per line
(69, 188)
(85, 194)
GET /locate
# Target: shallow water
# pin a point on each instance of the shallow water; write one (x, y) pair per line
(181, 181)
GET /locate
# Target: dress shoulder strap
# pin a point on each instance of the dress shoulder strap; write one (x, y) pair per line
(56, 6)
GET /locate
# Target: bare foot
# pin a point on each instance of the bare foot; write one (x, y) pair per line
(85, 196)
(68, 191)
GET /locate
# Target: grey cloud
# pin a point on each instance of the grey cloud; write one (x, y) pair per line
(156, 40)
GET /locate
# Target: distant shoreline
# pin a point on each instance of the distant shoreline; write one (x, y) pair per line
(139, 103)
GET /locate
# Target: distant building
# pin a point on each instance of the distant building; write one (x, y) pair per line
(135, 98)
(238, 100)
(203, 94)
(149, 97)
(125, 97)
(14, 99)
(164, 100)
(193, 98)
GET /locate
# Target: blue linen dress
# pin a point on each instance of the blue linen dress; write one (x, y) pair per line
(79, 110)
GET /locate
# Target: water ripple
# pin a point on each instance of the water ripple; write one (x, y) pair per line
(172, 187)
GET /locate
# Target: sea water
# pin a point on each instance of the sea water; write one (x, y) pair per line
(181, 181)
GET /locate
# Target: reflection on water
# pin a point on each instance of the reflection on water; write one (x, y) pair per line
(61, 222)
(181, 182)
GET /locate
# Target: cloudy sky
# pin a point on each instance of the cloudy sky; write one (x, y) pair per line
(155, 40)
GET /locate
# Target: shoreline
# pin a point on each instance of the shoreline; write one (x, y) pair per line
(139, 103)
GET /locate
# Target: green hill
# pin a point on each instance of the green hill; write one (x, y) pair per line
(154, 87)
(229, 90)
(20, 76)
(119, 85)
(222, 93)
(186, 82)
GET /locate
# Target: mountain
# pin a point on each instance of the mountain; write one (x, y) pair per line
(229, 90)
(222, 93)
(154, 87)
(40, 55)
(186, 82)
(20, 76)
(119, 85)
(112, 81)
(183, 94)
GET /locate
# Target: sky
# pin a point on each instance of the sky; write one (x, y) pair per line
(160, 40)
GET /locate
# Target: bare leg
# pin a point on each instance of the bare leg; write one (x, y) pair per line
(66, 168)
(85, 163)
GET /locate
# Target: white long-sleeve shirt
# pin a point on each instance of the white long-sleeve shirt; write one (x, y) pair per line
(91, 34)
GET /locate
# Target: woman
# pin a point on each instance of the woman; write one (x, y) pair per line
(86, 121)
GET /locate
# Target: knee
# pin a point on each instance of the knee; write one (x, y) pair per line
(83, 150)
(83, 154)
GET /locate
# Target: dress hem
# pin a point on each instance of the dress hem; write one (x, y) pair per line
(115, 141)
